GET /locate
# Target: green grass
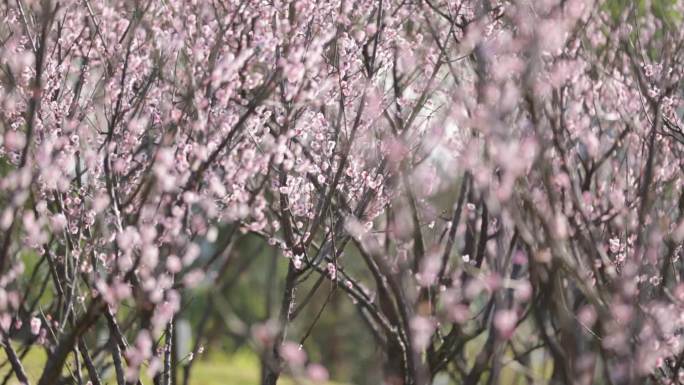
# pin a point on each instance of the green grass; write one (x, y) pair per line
(218, 368)
(33, 363)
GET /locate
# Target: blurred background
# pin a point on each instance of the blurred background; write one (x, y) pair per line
(231, 314)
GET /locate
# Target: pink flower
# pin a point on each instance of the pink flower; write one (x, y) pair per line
(587, 315)
(191, 254)
(317, 373)
(58, 222)
(5, 322)
(422, 329)
(523, 291)
(459, 313)
(293, 353)
(264, 333)
(332, 271)
(614, 245)
(35, 325)
(429, 271)
(42, 337)
(193, 278)
(14, 140)
(297, 261)
(173, 264)
(505, 322)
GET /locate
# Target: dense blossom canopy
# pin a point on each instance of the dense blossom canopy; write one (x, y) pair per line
(507, 172)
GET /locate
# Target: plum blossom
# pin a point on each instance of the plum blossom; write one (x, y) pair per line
(505, 322)
(293, 354)
(454, 169)
(317, 373)
(35, 324)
